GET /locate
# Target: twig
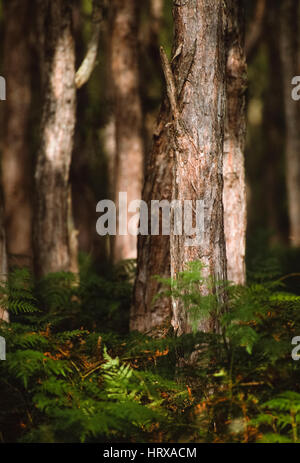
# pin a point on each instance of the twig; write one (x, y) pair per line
(170, 82)
(88, 64)
(285, 277)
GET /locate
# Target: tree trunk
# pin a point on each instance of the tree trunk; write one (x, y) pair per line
(83, 197)
(154, 250)
(52, 171)
(16, 159)
(256, 28)
(156, 22)
(128, 115)
(199, 116)
(108, 133)
(234, 194)
(186, 163)
(273, 124)
(290, 68)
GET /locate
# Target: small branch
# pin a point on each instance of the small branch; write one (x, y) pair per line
(170, 82)
(88, 64)
(290, 275)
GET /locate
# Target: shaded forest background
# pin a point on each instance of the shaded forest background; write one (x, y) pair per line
(91, 174)
(74, 369)
(90, 170)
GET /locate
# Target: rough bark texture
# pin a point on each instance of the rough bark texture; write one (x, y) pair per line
(154, 251)
(186, 162)
(16, 159)
(290, 68)
(234, 194)
(52, 171)
(199, 74)
(128, 115)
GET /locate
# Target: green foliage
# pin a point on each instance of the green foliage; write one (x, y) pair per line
(62, 381)
(282, 415)
(246, 368)
(74, 374)
(186, 287)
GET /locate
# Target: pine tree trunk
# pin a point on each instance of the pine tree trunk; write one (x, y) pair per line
(198, 140)
(186, 163)
(128, 115)
(148, 314)
(154, 250)
(234, 194)
(16, 159)
(290, 67)
(52, 171)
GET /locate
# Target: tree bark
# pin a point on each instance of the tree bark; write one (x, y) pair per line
(199, 74)
(52, 226)
(153, 256)
(290, 68)
(234, 194)
(16, 159)
(154, 250)
(186, 163)
(128, 115)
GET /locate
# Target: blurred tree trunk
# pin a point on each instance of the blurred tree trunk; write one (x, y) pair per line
(273, 124)
(128, 114)
(289, 30)
(52, 220)
(152, 90)
(16, 158)
(156, 20)
(255, 29)
(83, 197)
(109, 130)
(234, 194)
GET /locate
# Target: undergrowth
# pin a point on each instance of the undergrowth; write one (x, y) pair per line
(74, 373)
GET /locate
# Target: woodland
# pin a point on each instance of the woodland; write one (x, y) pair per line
(121, 332)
